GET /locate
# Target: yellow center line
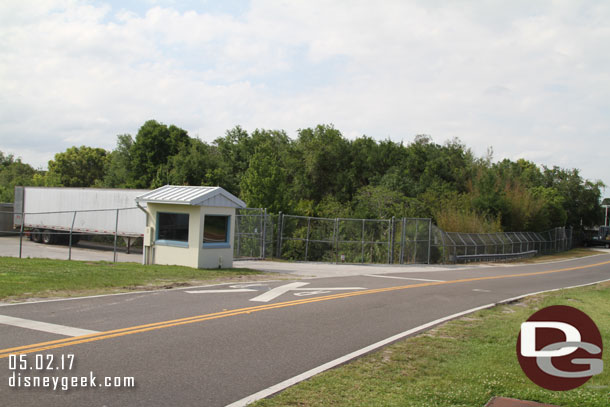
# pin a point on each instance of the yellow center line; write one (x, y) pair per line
(59, 343)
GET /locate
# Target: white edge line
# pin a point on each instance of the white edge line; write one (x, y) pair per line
(549, 291)
(343, 359)
(516, 264)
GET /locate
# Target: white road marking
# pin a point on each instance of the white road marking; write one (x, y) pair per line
(277, 291)
(401, 278)
(44, 326)
(479, 290)
(306, 293)
(233, 290)
(308, 374)
(343, 359)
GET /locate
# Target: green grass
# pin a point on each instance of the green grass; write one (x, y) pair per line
(569, 254)
(462, 363)
(27, 278)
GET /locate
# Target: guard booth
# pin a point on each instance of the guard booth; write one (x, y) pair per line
(189, 226)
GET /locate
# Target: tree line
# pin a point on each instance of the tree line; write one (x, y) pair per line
(321, 173)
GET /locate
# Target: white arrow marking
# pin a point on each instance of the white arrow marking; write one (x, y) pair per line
(234, 290)
(277, 291)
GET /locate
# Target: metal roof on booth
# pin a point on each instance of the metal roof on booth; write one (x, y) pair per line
(197, 196)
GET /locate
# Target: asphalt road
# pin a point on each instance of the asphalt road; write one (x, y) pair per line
(211, 346)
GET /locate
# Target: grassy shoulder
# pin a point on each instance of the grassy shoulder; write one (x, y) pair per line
(462, 363)
(569, 254)
(35, 278)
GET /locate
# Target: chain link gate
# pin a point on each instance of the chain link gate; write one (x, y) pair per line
(253, 233)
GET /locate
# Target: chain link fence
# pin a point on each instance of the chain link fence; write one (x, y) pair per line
(452, 247)
(110, 232)
(260, 235)
(382, 241)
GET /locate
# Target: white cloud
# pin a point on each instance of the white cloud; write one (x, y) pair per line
(530, 79)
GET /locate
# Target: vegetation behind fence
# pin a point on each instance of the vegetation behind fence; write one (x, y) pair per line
(383, 241)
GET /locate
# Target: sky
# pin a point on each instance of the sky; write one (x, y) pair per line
(530, 79)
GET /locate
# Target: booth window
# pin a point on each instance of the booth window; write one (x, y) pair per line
(216, 231)
(173, 228)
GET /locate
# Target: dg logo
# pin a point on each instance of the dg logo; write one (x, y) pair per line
(560, 348)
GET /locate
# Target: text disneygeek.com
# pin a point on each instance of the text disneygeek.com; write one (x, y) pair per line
(21, 365)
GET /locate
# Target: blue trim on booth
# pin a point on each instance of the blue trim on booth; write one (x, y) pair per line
(173, 243)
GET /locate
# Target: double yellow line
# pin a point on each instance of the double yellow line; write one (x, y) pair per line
(60, 343)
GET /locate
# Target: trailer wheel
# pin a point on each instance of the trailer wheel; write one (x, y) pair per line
(36, 235)
(48, 237)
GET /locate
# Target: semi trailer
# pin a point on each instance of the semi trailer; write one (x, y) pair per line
(50, 214)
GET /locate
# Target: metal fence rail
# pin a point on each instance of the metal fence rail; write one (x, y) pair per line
(452, 247)
(382, 241)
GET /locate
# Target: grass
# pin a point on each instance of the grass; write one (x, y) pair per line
(569, 254)
(462, 363)
(35, 278)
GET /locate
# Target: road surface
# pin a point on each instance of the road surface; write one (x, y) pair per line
(216, 345)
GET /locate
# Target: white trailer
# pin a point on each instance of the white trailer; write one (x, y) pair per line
(47, 211)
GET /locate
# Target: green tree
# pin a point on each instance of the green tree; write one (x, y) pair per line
(13, 172)
(154, 144)
(119, 172)
(322, 162)
(266, 181)
(581, 198)
(377, 202)
(235, 149)
(79, 166)
(264, 184)
(197, 163)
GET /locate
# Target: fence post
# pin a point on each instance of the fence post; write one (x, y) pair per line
(307, 239)
(264, 229)
(362, 241)
(415, 240)
(116, 231)
(70, 240)
(429, 238)
(280, 224)
(237, 234)
(391, 251)
(336, 239)
(402, 241)
(21, 231)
